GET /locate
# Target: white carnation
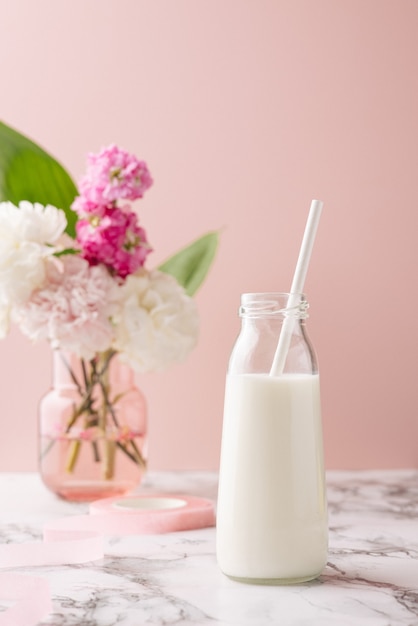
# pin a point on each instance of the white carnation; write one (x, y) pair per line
(38, 223)
(26, 234)
(157, 323)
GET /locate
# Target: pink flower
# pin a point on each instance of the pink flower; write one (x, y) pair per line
(115, 239)
(112, 174)
(73, 308)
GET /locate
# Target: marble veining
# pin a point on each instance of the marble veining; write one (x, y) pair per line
(371, 577)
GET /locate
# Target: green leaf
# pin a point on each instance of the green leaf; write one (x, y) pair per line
(191, 265)
(27, 172)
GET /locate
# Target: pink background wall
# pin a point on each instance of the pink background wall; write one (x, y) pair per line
(245, 110)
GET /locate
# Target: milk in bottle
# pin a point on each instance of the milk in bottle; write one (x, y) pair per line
(272, 515)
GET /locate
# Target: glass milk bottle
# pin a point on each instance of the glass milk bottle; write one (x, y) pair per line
(272, 511)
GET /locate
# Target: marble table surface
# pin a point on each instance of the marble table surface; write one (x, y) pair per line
(371, 577)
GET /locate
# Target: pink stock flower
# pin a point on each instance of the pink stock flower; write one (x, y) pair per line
(112, 174)
(115, 239)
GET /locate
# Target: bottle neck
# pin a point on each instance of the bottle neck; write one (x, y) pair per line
(273, 324)
(272, 305)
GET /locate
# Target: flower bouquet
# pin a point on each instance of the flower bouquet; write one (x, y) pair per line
(73, 271)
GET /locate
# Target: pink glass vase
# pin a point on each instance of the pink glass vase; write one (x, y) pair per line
(93, 426)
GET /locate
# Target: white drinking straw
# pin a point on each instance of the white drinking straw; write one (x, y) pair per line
(297, 286)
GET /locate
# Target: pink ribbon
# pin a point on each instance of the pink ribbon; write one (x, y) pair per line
(80, 539)
(31, 597)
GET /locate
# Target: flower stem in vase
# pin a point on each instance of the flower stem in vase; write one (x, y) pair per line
(73, 453)
(109, 459)
(101, 379)
(138, 456)
(96, 451)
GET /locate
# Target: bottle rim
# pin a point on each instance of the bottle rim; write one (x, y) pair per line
(273, 304)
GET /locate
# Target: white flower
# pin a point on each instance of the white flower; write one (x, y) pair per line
(35, 222)
(26, 236)
(157, 323)
(73, 308)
